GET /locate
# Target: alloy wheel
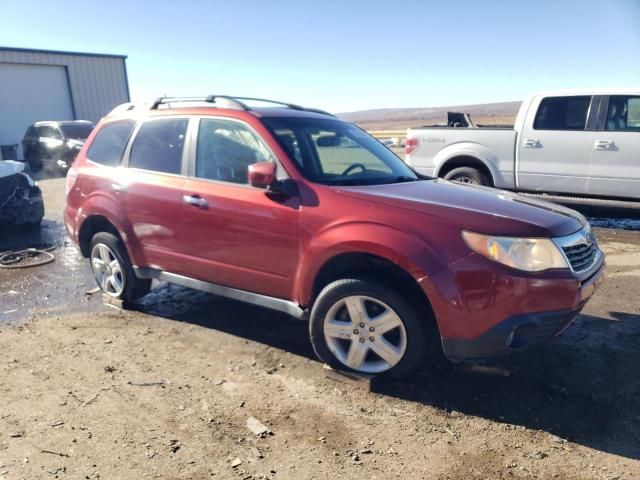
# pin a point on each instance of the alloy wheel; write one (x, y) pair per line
(107, 270)
(365, 334)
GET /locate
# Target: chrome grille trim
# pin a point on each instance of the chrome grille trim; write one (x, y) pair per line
(580, 250)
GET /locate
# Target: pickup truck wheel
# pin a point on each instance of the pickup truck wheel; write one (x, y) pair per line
(112, 269)
(468, 175)
(363, 326)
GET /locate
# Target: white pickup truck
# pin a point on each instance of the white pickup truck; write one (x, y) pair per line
(572, 142)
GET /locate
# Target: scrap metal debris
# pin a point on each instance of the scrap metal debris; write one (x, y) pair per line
(257, 427)
(20, 198)
(161, 383)
(27, 257)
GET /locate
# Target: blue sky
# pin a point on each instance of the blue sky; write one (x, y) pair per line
(346, 55)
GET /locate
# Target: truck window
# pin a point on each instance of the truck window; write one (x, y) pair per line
(623, 113)
(158, 145)
(562, 113)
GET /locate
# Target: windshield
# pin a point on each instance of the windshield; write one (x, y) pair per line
(78, 132)
(333, 152)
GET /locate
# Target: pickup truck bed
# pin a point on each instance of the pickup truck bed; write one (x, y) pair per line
(584, 143)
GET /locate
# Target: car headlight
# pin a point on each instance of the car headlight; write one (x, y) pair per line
(528, 254)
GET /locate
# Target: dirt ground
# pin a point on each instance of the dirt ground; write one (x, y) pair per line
(88, 391)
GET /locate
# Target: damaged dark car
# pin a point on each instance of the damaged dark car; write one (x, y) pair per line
(21, 202)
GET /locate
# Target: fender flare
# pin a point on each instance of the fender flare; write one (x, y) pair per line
(469, 149)
(405, 250)
(103, 206)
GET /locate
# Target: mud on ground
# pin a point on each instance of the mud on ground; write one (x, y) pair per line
(165, 392)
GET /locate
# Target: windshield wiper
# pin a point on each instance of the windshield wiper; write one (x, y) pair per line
(403, 178)
(371, 181)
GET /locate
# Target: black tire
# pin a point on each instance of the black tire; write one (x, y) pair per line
(35, 163)
(469, 175)
(134, 287)
(31, 226)
(416, 340)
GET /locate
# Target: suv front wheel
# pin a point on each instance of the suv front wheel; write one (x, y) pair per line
(112, 269)
(365, 327)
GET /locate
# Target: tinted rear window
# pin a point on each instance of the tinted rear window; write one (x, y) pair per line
(78, 132)
(562, 113)
(109, 144)
(158, 145)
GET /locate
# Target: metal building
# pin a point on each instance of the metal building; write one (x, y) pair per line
(51, 85)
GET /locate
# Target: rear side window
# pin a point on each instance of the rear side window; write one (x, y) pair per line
(623, 113)
(109, 143)
(158, 145)
(562, 113)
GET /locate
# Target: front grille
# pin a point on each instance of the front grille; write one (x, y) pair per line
(581, 256)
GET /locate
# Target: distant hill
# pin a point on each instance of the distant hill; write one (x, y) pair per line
(402, 118)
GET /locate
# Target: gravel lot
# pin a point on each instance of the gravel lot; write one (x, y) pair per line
(89, 391)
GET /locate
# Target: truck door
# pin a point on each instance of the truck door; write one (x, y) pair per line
(554, 147)
(615, 159)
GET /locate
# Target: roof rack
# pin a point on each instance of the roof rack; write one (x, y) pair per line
(227, 101)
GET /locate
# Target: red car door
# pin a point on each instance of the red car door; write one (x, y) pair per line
(234, 234)
(151, 189)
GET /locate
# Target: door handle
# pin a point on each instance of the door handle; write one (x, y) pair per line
(195, 201)
(119, 187)
(604, 145)
(531, 143)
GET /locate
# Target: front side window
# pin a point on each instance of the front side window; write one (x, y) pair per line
(623, 113)
(562, 113)
(158, 145)
(333, 152)
(109, 143)
(226, 149)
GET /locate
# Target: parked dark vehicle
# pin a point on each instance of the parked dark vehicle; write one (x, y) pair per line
(295, 210)
(55, 142)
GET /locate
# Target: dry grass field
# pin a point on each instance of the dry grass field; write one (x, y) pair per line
(403, 118)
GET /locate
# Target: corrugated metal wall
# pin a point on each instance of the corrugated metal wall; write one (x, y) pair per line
(97, 82)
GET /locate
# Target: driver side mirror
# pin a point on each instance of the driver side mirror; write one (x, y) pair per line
(262, 174)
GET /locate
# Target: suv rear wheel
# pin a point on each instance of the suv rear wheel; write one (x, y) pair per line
(363, 326)
(112, 268)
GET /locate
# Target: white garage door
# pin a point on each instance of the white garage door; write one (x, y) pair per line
(29, 93)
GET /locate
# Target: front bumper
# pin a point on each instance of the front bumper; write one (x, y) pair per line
(513, 334)
(490, 312)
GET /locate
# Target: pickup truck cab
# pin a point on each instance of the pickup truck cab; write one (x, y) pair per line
(295, 210)
(584, 142)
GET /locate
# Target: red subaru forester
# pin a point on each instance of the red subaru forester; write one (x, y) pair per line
(295, 210)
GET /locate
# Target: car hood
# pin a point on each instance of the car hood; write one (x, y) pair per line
(10, 167)
(480, 209)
